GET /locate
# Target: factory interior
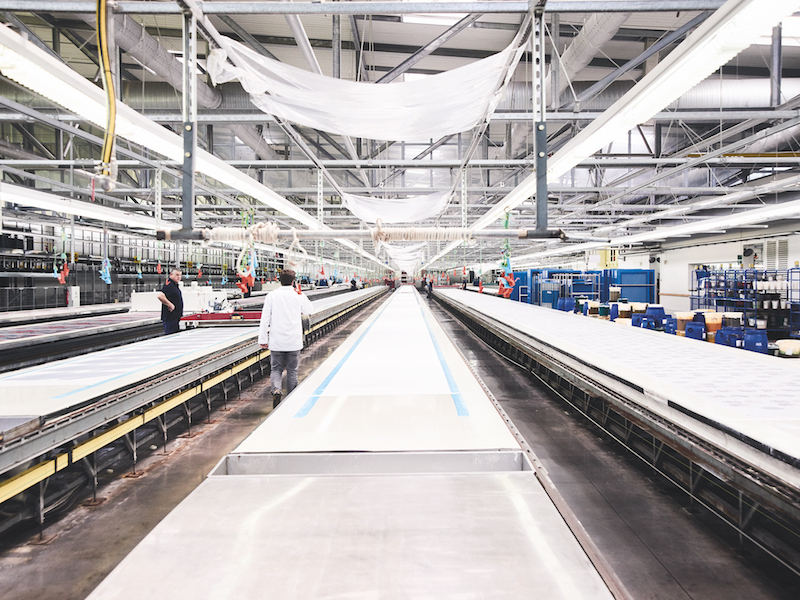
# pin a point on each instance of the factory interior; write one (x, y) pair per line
(551, 250)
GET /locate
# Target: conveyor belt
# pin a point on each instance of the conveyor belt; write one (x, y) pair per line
(18, 317)
(387, 473)
(746, 395)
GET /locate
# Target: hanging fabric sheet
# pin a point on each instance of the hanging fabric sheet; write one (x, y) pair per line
(405, 257)
(396, 210)
(429, 108)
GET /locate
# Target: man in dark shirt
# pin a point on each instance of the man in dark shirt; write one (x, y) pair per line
(172, 299)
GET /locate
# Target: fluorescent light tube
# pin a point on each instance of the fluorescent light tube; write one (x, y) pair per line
(786, 210)
(68, 206)
(32, 67)
(732, 28)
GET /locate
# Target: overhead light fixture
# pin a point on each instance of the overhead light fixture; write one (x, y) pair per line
(773, 187)
(30, 197)
(446, 19)
(30, 66)
(774, 212)
(732, 28)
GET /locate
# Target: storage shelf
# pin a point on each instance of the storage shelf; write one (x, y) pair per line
(741, 290)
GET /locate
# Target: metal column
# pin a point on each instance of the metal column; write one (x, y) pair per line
(776, 66)
(158, 193)
(539, 110)
(336, 46)
(320, 211)
(189, 116)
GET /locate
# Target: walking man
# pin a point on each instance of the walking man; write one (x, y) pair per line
(281, 331)
(172, 300)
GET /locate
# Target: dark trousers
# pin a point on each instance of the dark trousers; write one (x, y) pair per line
(280, 361)
(171, 327)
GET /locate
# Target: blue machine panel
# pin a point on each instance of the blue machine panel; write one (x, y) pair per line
(638, 285)
(523, 285)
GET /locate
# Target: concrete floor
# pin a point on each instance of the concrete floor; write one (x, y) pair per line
(659, 550)
(85, 545)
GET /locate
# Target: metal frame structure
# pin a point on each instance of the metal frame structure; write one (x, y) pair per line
(602, 191)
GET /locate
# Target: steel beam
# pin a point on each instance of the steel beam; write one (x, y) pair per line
(714, 116)
(379, 7)
(428, 48)
(246, 37)
(662, 43)
(608, 162)
(362, 71)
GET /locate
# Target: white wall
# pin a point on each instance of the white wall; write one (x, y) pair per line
(634, 261)
(675, 271)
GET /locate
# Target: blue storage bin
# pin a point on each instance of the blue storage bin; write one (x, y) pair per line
(636, 319)
(657, 312)
(614, 312)
(695, 330)
(648, 322)
(550, 298)
(755, 340)
(729, 336)
(671, 325)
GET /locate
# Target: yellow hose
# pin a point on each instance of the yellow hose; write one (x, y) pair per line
(108, 85)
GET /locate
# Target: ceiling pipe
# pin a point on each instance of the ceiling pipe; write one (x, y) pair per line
(134, 39)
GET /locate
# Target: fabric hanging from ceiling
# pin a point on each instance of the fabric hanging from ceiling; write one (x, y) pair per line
(396, 210)
(428, 108)
(405, 257)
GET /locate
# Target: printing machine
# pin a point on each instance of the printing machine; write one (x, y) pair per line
(721, 424)
(54, 417)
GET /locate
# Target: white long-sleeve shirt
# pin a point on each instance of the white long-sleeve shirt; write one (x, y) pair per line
(281, 319)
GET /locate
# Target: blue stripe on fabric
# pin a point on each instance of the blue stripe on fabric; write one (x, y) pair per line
(455, 393)
(312, 399)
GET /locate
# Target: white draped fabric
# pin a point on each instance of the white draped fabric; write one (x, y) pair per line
(396, 210)
(405, 257)
(428, 108)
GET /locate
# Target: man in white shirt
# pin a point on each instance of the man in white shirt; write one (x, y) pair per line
(281, 331)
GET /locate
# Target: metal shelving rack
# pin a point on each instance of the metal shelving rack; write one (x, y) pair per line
(794, 301)
(760, 294)
(578, 284)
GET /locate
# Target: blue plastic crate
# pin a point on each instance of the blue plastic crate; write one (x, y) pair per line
(695, 330)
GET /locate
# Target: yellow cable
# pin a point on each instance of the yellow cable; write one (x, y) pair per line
(108, 84)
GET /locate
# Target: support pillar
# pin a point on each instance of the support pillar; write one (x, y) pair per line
(189, 117)
(776, 66)
(539, 110)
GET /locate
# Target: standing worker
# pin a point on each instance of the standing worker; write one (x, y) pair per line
(172, 300)
(281, 331)
(430, 287)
